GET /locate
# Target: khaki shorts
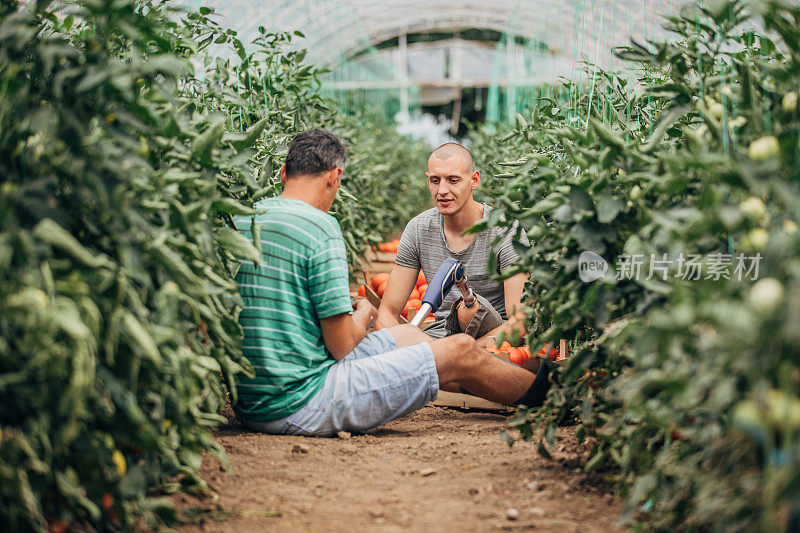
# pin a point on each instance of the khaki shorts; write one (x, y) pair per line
(485, 320)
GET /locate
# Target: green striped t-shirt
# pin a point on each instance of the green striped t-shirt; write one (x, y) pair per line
(302, 278)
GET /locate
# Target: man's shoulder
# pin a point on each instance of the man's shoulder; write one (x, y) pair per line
(299, 215)
(424, 219)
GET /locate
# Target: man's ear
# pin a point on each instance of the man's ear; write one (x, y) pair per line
(334, 176)
(476, 179)
(283, 174)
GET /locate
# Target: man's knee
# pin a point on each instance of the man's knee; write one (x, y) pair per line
(466, 350)
(462, 341)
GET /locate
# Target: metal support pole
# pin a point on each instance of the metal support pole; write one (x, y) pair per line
(401, 67)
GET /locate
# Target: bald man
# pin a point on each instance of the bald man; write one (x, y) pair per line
(438, 233)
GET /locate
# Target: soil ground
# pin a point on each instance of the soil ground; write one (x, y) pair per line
(438, 469)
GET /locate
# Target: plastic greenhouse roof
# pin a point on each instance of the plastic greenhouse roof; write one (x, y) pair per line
(336, 28)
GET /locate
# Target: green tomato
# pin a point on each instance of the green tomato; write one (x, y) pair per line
(753, 208)
(766, 295)
(738, 122)
(783, 410)
(789, 102)
(765, 148)
(536, 233)
(635, 192)
(755, 240)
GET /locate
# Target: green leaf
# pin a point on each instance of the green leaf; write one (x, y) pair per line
(595, 462)
(233, 207)
(477, 227)
(255, 231)
(208, 140)
(606, 135)
(543, 451)
(52, 233)
(252, 136)
(545, 205)
(141, 337)
(577, 364)
(579, 199)
(237, 244)
(608, 207)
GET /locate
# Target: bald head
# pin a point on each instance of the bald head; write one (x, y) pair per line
(453, 151)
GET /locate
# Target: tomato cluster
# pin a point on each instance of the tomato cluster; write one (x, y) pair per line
(414, 303)
(389, 247)
(519, 355)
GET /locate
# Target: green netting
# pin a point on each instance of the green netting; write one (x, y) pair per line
(367, 81)
(557, 55)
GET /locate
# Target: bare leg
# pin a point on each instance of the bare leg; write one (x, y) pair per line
(460, 360)
(408, 335)
(450, 387)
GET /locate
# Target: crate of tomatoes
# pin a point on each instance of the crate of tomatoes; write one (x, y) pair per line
(375, 285)
(521, 354)
(376, 276)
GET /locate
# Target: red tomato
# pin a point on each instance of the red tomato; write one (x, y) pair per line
(362, 290)
(422, 289)
(421, 279)
(543, 351)
(60, 526)
(108, 501)
(377, 279)
(414, 295)
(381, 289)
(517, 357)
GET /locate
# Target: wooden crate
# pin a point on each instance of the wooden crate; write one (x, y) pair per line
(467, 401)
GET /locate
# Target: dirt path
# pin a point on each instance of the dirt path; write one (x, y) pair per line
(438, 469)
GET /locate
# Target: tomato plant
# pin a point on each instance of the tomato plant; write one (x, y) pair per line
(125, 149)
(704, 162)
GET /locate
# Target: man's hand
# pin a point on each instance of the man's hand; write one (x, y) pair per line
(364, 313)
(341, 333)
(398, 289)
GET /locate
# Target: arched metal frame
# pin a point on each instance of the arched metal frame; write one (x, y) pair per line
(562, 35)
(340, 28)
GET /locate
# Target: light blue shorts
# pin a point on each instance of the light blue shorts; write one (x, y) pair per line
(375, 383)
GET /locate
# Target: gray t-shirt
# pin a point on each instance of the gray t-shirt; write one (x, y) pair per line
(424, 246)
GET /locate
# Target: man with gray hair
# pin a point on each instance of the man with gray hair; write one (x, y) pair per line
(317, 371)
(438, 233)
